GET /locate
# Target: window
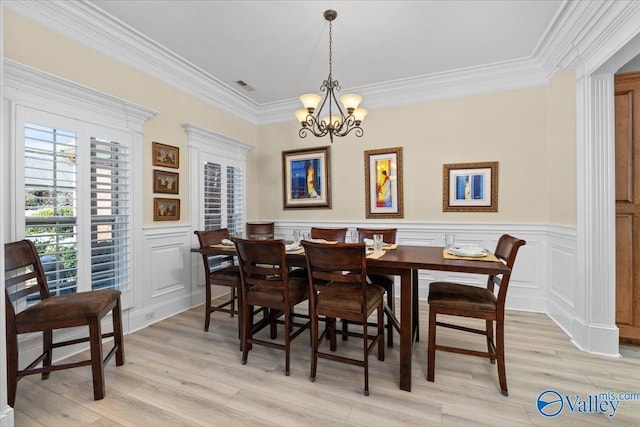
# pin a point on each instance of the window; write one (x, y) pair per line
(218, 166)
(74, 181)
(76, 202)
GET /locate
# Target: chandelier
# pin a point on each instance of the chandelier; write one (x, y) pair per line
(338, 121)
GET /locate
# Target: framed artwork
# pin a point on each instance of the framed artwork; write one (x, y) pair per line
(470, 187)
(166, 155)
(165, 182)
(306, 178)
(383, 183)
(166, 209)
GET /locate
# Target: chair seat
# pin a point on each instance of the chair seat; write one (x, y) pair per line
(229, 276)
(72, 309)
(348, 298)
(273, 297)
(461, 297)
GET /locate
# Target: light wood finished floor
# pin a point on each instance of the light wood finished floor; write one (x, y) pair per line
(178, 375)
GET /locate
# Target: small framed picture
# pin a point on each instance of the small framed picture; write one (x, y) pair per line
(165, 182)
(166, 155)
(306, 178)
(470, 187)
(166, 209)
(383, 183)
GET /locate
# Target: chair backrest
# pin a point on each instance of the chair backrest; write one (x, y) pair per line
(330, 234)
(260, 230)
(388, 234)
(338, 263)
(262, 263)
(506, 251)
(24, 274)
(208, 238)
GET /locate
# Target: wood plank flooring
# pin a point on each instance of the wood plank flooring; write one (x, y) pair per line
(178, 375)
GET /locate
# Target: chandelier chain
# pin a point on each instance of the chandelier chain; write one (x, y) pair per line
(330, 50)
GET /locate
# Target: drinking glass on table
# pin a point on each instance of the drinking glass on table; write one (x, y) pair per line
(297, 236)
(449, 240)
(354, 236)
(377, 242)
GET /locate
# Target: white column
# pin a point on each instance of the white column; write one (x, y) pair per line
(596, 214)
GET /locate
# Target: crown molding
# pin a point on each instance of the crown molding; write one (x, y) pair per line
(22, 83)
(577, 31)
(86, 24)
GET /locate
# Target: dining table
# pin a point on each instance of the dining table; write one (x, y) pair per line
(404, 261)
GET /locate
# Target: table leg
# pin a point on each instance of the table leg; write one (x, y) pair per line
(415, 299)
(406, 329)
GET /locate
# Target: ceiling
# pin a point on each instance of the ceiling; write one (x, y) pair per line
(281, 48)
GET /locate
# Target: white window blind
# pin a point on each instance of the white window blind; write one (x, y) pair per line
(235, 198)
(110, 205)
(50, 202)
(212, 196)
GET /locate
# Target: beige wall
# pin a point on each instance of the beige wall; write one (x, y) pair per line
(561, 95)
(33, 45)
(530, 132)
(510, 127)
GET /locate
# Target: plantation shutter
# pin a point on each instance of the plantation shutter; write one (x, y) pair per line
(50, 202)
(110, 214)
(212, 196)
(235, 198)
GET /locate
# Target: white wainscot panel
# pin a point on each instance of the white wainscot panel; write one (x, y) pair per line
(167, 270)
(563, 273)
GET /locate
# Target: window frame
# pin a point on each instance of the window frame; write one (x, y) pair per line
(29, 88)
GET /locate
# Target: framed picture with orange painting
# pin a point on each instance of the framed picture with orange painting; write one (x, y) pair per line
(383, 183)
(306, 178)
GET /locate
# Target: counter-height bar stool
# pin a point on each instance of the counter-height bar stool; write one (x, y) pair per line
(266, 283)
(339, 289)
(485, 303)
(219, 270)
(31, 308)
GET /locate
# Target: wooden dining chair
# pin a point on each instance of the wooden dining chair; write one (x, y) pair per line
(339, 289)
(486, 303)
(260, 230)
(266, 283)
(30, 308)
(384, 280)
(220, 270)
(329, 234)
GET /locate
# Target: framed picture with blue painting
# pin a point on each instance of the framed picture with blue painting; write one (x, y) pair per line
(470, 187)
(306, 178)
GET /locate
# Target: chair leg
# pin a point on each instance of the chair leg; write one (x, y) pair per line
(47, 342)
(489, 333)
(502, 369)
(118, 340)
(314, 346)
(365, 345)
(246, 332)
(97, 364)
(238, 296)
(333, 345)
(287, 340)
(392, 308)
(431, 350)
(381, 332)
(12, 368)
(207, 306)
(233, 302)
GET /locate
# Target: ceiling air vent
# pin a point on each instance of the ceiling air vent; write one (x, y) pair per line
(246, 86)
